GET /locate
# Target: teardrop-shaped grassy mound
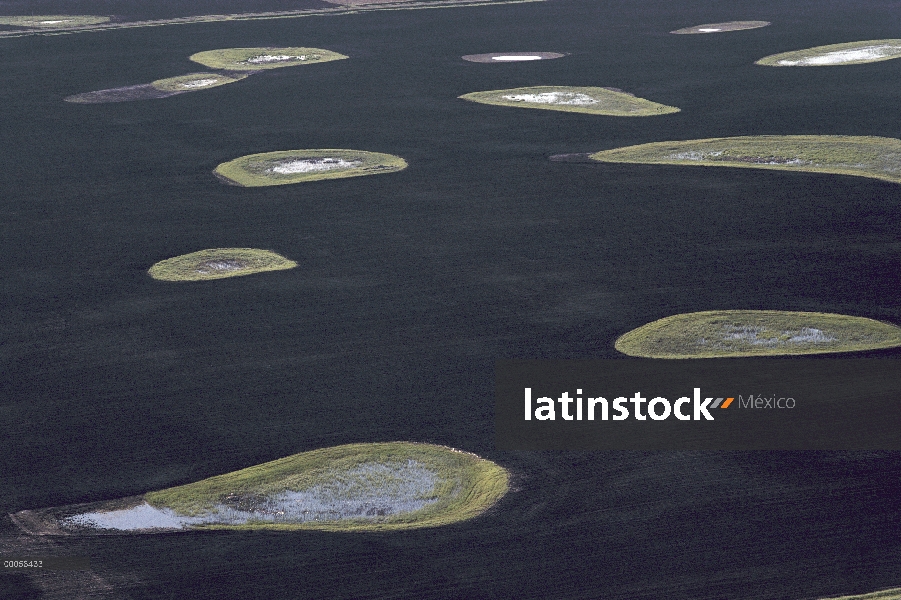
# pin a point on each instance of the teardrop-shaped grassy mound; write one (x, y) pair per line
(194, 82)
(876, 157)
(254, 59)
(356, 487)
(726, 333)
(592, 100)
(852, 53)
(218, 263)
(720, 27)
(53, 21)
(295, 166)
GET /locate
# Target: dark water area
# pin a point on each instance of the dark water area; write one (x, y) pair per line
(411, 285)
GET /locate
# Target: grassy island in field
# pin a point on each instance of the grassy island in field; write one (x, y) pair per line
(356, 487)
(890, 594)
(295, 166)
(218, 263)
(875, 157)
(720, 27)
(592, 100)
(505, 57)
(53, 21)
(255, 59)
(194, 82)
(726, 333)
(852, 53)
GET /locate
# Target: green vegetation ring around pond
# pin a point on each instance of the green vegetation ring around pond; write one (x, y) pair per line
(356, 487)
(876, 157)
(721, 27)
(851, 53)
(53, 21)
(255, 59)
(728, 333)
(218, 263)
(591, 100)
(195, 81)
(296, 166)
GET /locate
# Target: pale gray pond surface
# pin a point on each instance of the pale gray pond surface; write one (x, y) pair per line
(369, 490)
(142, 516)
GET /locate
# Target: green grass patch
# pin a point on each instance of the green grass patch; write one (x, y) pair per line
(591, 100)
(218, 263)
(463, 486)
(194, 82)
(726, 333)
(890, 594)
(255, 59)
(52, 21)
(875, 157)
(851, 53)
(720, 27)
(296, 166)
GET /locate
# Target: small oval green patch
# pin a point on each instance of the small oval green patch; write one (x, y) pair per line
(726, 333)
(295, 166)
(53, 21)
(592, 100)
(194, 82)
(218, 263)
(852, 53)
(876, 157)
(254, 59)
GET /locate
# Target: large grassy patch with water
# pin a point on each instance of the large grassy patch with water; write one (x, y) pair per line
(876, 157)
(355, 487)
(851, 53)
(295, 166)
(592, 100)
(218, 263)
(254, 59)
(724, 333)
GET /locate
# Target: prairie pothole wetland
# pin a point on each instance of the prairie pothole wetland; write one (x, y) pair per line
(268, 266)
(52, 21)
(592, 100)
(851, 53)
(357, 487)
(727, 333)
(879, 158)
(507, 57)
(296, 166)
(721, 27)
(254, 59)
(218, 263)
